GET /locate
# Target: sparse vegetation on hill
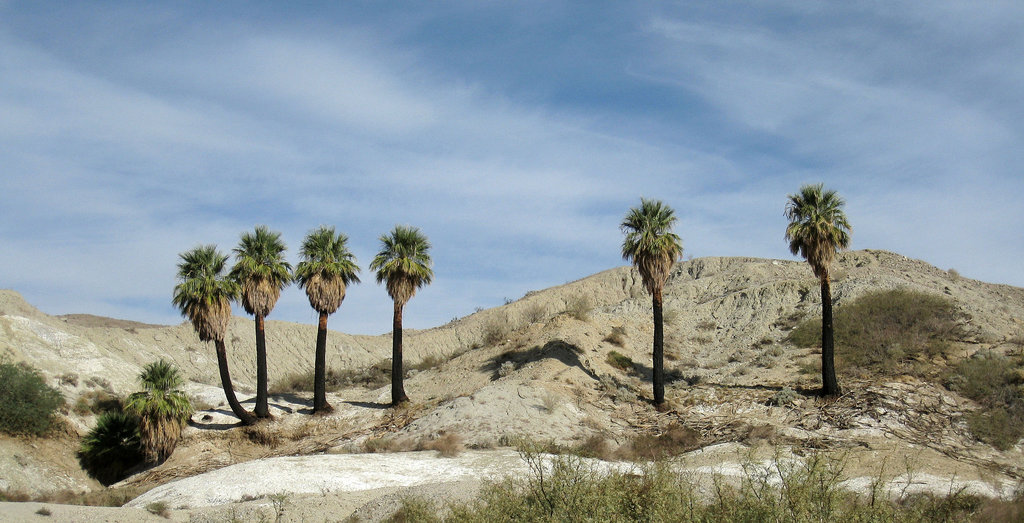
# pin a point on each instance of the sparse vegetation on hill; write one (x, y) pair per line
(997, 383)
(885, 332)
(28, 406)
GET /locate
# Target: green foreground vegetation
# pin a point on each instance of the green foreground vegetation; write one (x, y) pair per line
(569, 488)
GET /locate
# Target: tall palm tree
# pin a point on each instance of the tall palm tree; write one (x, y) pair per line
(326, 269)
(653, 248)
(204, 295)
(262, 273)
(403, 263)
(162, 408)
(817, 230)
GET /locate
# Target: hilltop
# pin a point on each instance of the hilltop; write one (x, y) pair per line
(540, 367)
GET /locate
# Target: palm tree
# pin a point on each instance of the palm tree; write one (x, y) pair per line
(326, 269)
(203, 295)
(403, 263)
(653, 248)
(262, 273)
(162, 408)
(817, 230)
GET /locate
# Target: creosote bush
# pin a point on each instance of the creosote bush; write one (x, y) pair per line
(28, 406)
(885, 330)
(495, 331)
(579, 307)
(617, 336)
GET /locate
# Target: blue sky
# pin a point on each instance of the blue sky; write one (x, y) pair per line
(514, 134)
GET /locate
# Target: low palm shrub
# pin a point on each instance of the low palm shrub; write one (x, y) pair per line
(112, 447)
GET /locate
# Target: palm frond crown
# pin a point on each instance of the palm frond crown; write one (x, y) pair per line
(818, 227)
(326, 269)
(162, 396)
(650, 243)
(203, 294)
(403, 262)
(260, 269)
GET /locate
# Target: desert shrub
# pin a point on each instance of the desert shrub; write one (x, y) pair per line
(96, 401)
(995, 383)
(786, 396)
(706, 325)
(372, 377)
(159, 508)
(579, 307)
(624, 395)
(764, 360)
(617, 336)
(506, 368)
(448, 445)
(28, 406)
(99, 382)
(703, 340)
(674, 440)
(111, 448)
(568, 488)
(415, 509)
(620, 361)
(68, 378)
(883, 330)
(495, 331)
(262, 434)
(535, 312)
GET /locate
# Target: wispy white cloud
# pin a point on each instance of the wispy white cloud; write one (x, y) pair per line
(114, 162)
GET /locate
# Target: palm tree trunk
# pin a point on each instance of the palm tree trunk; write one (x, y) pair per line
(320, 405)
(262, 410)
(229, 390)
(830, 387)
(659, 351)
(397, 378)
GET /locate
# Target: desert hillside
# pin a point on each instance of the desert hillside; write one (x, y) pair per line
(541, 367)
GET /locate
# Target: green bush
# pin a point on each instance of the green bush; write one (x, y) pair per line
(995, 383)
(111, 448)
(28, 406)
(568, 488)
(620, 361)
(883, 330)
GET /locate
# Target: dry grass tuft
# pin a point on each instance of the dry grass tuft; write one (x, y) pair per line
(449, 445)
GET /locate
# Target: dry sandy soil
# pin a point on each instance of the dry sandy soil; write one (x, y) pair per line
(530, 368)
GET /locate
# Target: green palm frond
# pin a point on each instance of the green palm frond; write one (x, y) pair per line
(260, 269)
(818, 227)
(403, 262)
(326, 269)
(162, 409)
(203, 294)
(161, 397)
(650, 243)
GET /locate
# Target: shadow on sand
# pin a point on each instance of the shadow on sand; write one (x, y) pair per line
(562, 351)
